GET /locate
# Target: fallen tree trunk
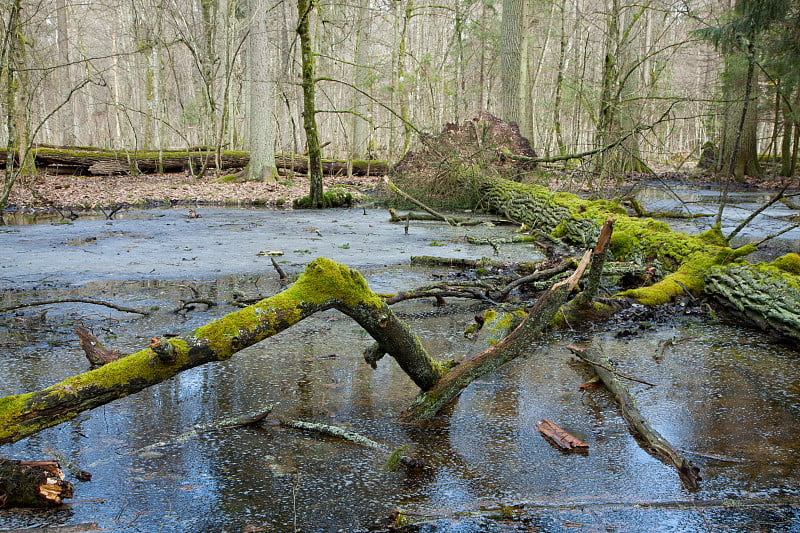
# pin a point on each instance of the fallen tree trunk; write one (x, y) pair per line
(99, 161)
(697, 264)
(323, 285)
(653, 441)
(462, 169)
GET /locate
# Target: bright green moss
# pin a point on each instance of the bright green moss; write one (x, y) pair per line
(324, 279)
(713, 236)
(788, 263)
(623, 243)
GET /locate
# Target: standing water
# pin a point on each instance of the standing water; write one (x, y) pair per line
(723, 394)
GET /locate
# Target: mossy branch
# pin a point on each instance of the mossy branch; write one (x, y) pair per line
(323, 285)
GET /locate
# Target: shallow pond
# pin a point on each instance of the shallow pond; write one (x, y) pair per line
(725, 395)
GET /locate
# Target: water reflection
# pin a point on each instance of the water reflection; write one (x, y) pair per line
(723, 394)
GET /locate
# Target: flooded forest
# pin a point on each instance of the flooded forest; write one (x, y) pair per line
(308, 267)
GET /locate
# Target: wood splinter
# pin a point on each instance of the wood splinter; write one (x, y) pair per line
(558, 436)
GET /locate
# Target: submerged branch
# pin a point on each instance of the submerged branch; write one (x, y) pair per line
(654, 442)
(74, 300)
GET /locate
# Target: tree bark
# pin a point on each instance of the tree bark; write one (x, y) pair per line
(688, 260)
(262, 95)
(324, 285)
(304, 9)
(511, 58)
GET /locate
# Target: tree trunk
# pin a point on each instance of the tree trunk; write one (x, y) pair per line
(304, 8)
(511, 59)
(98, 161)
(696, 264)
(738, 153)
(323, 285)
(261, 94)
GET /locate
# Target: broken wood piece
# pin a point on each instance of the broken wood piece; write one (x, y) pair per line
(652, 441)
(163, 349)
(32, 484)
(560, 437)
(96, 353)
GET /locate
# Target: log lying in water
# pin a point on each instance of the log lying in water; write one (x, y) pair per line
(697, 264)
(654, 443)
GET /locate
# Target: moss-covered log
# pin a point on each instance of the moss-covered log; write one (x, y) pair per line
(764, 294)
(100, 161)
(323, 285)
(697, 264)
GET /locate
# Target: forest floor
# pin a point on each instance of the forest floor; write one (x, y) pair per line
(48, 192)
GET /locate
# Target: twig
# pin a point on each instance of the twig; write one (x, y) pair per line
(563, 266)
(278, 269)
(413, 200)
(757, 212)
(778, 234)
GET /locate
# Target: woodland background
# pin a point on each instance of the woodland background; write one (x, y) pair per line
(655, 78)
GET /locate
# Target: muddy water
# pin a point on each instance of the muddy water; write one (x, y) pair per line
(722, 393)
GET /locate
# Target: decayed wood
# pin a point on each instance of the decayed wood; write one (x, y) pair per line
(394, 458)
(323, 285)
(560, 437)
(74, 469)
(653, 441)
(32, 484)
(92, 301)
(236, 421)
